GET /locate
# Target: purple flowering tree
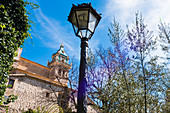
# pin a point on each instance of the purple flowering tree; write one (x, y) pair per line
(127, 77)
(109, 77)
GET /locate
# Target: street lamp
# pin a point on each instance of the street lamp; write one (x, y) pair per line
(84, 20)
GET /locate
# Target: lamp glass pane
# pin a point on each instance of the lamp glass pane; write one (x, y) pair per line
(75, 29)
(92, 22)
(82, 33)
(73, 19)
(82, 17)
(88, 34)
(79, 34)
(74, 23)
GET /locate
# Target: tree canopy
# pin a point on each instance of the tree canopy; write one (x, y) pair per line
(127, 77)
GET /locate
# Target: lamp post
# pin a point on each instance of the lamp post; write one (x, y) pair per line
(84, 20)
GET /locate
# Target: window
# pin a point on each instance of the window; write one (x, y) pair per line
(63, 73)
(59, 99)
(54, 58)
(59, 58)
(59, 72)
(62, 60)
(47, 94)
(11, 83)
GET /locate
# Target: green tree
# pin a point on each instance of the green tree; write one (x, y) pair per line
(143, 44)
(99, 85)
(164, 39)
(120, 56)
(107, 85)
(14, 26)
(111, 83)
(127, 77)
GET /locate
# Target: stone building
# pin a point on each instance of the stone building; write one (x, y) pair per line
(40, 86)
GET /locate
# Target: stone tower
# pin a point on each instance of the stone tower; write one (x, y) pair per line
(59, 66)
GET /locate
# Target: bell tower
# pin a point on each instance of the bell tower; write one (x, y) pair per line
(59, 66)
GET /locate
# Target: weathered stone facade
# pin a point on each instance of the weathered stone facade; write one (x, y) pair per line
(31, 92)
(37, 85)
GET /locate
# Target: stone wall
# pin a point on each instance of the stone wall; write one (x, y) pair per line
(35, 87)
(32, 93)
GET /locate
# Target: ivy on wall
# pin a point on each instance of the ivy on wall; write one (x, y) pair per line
(14, 27)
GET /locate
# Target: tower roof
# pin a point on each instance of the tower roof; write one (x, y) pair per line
(61, 51)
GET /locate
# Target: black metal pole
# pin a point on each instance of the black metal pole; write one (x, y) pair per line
(82, 89)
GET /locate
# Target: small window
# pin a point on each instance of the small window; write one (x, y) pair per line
(59, 58)
(11, 83)
(54, 58)
(63, 73)
(59, 72)
(59, 99)
(47, 94)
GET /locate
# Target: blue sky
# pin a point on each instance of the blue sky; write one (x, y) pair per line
(52, 28)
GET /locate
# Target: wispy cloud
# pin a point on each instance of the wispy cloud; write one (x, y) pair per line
(51, 33)
(152, 10)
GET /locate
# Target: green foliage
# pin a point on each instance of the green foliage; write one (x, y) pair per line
(127, 77)
(10, 98)
(14, 26)
(64, 100)
(51, 109)
(164, 40)
(109, 74)
(150, 76)
(60, 110)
